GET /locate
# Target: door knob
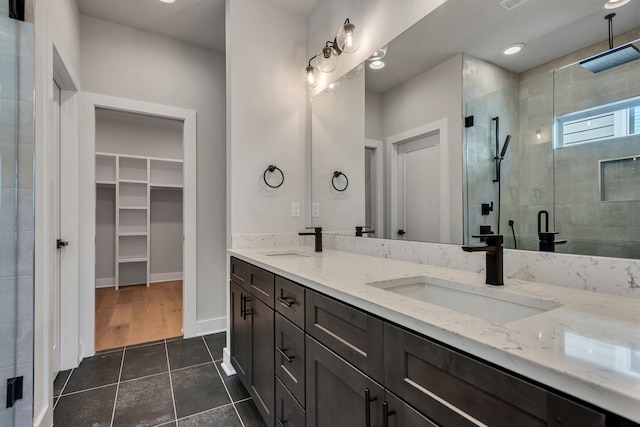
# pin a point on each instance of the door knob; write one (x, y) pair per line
(61, 243)
(401, 233)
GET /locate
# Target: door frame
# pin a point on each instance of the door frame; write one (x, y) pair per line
(378, 159)
(87, 177)
(393, 143)
(56, 65)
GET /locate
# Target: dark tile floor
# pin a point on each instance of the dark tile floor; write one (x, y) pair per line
(173, 383)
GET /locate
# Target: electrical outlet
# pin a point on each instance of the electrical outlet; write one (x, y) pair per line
(315, 210)
(295, 209)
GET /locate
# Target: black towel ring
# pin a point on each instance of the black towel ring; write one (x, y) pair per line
(271, 169)
(337, 174)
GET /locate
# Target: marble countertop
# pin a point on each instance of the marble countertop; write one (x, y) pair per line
(588, 347)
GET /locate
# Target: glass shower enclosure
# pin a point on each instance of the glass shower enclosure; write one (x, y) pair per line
(16, 218)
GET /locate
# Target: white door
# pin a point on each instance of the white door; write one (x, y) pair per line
(419, 189)
(53, 212)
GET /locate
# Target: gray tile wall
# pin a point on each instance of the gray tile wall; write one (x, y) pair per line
(16, 214)
(530, 181)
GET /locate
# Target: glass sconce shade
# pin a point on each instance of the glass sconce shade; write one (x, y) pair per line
(333, 87)
(348, 37)
(327, 59)
(354, 72)
(310, 76)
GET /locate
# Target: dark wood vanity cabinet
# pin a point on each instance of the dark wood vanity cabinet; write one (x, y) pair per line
(252, 334)
(453, 389)
(320, 362)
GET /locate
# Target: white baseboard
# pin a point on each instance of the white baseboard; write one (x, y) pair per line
(165, 277)
(226, 362)
(211, 326)
(107, 282)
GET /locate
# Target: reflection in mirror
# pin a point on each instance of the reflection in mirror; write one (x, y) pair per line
(548, 157)
(337, 131)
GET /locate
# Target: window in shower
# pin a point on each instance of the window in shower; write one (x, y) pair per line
(615, 120)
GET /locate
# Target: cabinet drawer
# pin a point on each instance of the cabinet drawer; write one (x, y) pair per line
(239, 272)
(261, 284)
(426, 374)
(565, 413)
(351, 333)
(289, 355)
(290, 300)
(289, 413)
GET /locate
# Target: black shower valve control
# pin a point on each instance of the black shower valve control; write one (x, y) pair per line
(486, 208)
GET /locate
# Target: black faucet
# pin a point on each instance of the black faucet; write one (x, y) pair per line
(360, 230)
(547, 239)
(494, 260)
(317, 231)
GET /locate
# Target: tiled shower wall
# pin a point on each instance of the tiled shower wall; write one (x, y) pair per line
(592, 226)
(17, 213)
(490, 92)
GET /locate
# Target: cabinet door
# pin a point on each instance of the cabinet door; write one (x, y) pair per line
(399, 414)
(290, 301)
(353, 334)
(289, 354)
(289, 413)
(337, 392)
(262, 387)
(452, 389)
(240, 333)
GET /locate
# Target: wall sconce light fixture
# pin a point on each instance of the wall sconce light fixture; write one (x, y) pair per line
(347, 40)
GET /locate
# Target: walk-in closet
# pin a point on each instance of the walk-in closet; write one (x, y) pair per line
(139, 228)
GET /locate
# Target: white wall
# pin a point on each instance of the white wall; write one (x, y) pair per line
(433, 95)
(136, 134)
(105, 233)
(267, 115)
(379, 20)
(166, 233)
(373, 116)
(128, 63)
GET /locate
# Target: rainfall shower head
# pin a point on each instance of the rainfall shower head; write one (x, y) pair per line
(505, 146)
(612, 57)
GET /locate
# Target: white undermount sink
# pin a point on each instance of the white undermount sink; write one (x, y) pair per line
(492, 304)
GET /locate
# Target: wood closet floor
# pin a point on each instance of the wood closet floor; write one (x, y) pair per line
(138, 314)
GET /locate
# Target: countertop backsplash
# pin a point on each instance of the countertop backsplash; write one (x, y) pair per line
(615, 276)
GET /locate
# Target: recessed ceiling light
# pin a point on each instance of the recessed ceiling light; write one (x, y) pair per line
(379, 54)
(612, 4)
(512, 49)
(167, 1)
(376, 65)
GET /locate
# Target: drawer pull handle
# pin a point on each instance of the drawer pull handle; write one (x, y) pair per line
(285, 302)
(244, 311)
(386, 413)
(367, 406)
(285, 355)
(280, 422)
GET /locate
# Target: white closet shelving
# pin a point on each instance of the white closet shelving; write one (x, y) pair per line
(134, 177)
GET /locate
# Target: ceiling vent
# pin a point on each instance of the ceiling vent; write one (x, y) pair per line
(512, 4)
